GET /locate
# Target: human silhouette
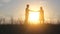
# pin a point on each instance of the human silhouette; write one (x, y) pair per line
(26, 13)
(41, 15)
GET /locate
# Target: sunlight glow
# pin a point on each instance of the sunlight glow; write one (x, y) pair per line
(33, 17)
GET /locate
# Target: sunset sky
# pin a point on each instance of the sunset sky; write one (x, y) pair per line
(16, 8)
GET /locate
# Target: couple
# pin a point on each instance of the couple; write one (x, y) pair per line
(41, 13)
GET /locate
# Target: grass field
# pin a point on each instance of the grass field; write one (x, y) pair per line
(21, 29)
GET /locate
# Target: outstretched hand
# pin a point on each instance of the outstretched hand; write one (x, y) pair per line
(30, 10)
(33, 10)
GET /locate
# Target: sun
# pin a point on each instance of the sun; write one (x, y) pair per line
(33, 17)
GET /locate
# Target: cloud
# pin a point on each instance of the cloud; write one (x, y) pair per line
(6, 1)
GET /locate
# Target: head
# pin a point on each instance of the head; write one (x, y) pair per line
(27, 5)
(41, 8)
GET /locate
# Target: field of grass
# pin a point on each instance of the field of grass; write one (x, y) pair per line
(21, 29)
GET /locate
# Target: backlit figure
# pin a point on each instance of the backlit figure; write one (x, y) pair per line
(41, 15)
(26, 14)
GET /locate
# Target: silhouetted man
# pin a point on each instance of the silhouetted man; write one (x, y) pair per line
(26, 13)
(41, 15)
